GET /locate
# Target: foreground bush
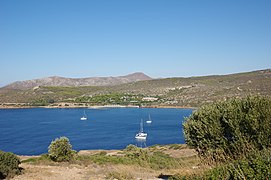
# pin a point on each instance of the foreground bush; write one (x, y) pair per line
(256, 166)
(61, 150)
(9, 164)
(230, 129)
(155, 160)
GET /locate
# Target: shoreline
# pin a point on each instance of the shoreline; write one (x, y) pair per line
(75, 105)
(108, 151)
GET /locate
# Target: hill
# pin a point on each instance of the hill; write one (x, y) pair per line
(76, 82)
(191, 91)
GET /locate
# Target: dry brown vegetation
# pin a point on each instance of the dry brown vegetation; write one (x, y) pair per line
(86, 169)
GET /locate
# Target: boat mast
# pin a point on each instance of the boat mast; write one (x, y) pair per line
(141, 126)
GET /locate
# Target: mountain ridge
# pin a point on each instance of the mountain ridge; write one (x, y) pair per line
(76, 82)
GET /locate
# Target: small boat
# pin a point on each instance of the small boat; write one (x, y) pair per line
(141, 135)
(84, 117)
(149, 121)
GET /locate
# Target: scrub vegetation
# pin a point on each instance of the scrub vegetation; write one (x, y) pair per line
(9, 165)
(129, 163)
(113, 98)
(133, 155)
(61, 150)
(235, 135)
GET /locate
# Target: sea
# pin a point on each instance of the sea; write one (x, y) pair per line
(30, 131)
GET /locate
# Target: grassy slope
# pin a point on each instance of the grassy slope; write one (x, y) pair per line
(193, 91)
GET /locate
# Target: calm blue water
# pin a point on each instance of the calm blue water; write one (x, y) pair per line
(30, 131)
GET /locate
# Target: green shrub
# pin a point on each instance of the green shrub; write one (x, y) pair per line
(61, 150)
(119, 175)
(133, 155)
(155, 160)
(177, 146)
(42, 159)
(103, 159)
(9, 164)
(160, 160)
(256, 166)
(230, 129)
(103, 153)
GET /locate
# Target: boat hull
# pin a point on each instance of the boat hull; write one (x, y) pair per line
(141, 137)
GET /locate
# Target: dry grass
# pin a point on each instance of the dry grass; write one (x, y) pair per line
(42, 169)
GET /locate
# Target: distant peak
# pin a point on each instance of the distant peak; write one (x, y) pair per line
(55, 77)
(138, 75)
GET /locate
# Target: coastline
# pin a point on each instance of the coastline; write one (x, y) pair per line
(164, 147)
(78, 105)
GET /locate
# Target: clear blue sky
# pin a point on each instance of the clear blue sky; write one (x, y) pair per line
(162, 38)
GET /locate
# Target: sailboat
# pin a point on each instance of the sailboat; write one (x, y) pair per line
(84, 117)
(149, 121)
(141, 135)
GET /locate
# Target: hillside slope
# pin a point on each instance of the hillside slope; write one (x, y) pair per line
(192, 91)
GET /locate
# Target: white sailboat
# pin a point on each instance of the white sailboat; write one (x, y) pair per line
(84, 117)
(149, 120)
(141, 135)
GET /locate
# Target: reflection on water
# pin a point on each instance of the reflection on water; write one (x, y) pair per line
(141, 143)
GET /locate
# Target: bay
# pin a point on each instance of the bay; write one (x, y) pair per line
(30, 131)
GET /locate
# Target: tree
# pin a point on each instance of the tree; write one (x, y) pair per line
(61, 150)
